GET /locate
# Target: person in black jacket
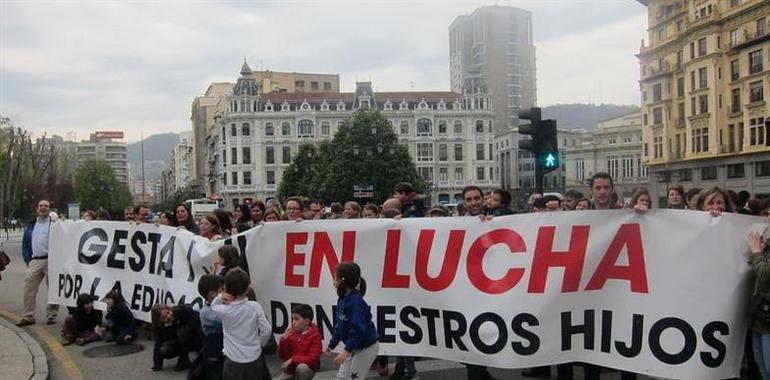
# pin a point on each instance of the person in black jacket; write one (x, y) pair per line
(412, 206)
(80, 326)
(119, 324)
(499, 203)
(177, 332)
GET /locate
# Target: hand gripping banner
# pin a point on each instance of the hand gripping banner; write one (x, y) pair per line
(663, 293)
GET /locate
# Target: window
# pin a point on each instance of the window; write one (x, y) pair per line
(299, 84)
(224, 157)
(703, 102)
(762, 168)
(246, 129)
(657, 146)
(642, 168)
(735, 3)
(442, 127)
(736, 171)
(286, 154)
(269, 155)
(424, 152)
(223, 135)
(693, 110)
(246, 155)
(580, 169)
(459, 174)
(404, 127)
(479, 126)
(270, 177)
(756, 92)
(702, 47)
(733, 37)
(234, 156)
(681, 115)
(285, 129)
(692, 80)
(679, 25)
(761, 24)
(628, 167)
(757, 131)
(702, 77)
(305, 128)
(612, 141)
(735, 70)
(755, 62)
(680, 87)
(480, 152)
(692, 50)
(424, 127)
(458, 127)
(324, 127)
(235, 178)
(656, 92)
(269, 130)
(233, 130)
(612, 166)
(426, 173)
(314, 85)
(327, 86)
(442, 152)
(247, 178)
(224, 178)
(442, 175)
(479, 174)
(708, 173)
(458, 152)
(736, 99)
(644, 117)
(490, 152)
(657, 118)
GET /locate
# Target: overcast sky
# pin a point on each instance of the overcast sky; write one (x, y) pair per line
(82, 66)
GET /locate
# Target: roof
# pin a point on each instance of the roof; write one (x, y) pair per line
(395, 97)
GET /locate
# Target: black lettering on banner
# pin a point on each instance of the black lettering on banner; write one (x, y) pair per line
(154, 239)
(606, 336)
(116, 287)
(167, 258)
(475, 333)
(69, 286)
(518, 329)
(96, 250)
(690, 340)
(61, 283)
(117, 248)
(430, 316)
(276, 307)
(94, 286)
(416, 335)
(454, 334)
(191, 277)
(709, 337)
(384, 323)
(136, 297)
(323, 321)
(137, 263)
(568, 330)
(637, 332)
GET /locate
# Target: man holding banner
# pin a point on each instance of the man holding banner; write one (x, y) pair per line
(35, 253)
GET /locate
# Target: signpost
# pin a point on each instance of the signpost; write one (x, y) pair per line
(363, 191)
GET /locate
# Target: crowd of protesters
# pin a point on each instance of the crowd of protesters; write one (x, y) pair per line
(231, 334)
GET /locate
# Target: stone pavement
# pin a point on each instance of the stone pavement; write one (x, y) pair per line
(21, 357)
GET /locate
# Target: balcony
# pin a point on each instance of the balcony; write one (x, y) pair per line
(657, 72)
(749, 39)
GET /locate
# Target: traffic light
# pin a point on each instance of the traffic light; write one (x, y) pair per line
(543, 143)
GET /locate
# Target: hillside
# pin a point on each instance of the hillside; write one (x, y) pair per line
(584, 116)
(157, 151)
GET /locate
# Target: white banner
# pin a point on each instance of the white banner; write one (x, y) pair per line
(663, 293)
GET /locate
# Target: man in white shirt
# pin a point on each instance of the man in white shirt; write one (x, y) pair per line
(35, 253)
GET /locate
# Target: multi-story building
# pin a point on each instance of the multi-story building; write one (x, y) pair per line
(704, 76)
(449, 136)
(103, 146)
(218, 96)
(615, 147)
(181, 161)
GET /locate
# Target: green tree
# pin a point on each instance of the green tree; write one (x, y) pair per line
(364, 151)
(96, 187)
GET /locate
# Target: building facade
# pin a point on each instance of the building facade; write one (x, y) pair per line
(218, 96)
(105, 146)
(449, 136)
(182, 161)
(704, 75)
(615, 147)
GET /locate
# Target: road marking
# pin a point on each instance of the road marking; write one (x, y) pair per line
(54, 346)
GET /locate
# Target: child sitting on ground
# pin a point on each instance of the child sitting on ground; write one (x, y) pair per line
(80, 326)
(119, 324)
(245, 327)
(300, 346)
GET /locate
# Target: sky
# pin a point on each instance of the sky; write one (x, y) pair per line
(82, 66)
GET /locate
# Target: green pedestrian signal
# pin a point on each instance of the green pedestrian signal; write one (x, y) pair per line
(550, 161)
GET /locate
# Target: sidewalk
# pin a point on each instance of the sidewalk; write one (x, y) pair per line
(21, 357)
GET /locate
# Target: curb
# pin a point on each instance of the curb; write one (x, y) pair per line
(39, 358)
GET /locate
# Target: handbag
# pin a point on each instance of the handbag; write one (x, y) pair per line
(4, 261)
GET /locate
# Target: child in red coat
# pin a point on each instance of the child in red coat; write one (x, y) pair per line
(300, 346)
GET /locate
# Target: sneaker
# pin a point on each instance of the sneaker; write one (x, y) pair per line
(25, 322)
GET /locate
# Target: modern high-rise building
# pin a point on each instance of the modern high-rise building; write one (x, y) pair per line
(704, 74)
(217, 100)
(491, 50)
(104, 146)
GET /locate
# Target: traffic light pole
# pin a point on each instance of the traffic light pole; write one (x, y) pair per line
(538, 178)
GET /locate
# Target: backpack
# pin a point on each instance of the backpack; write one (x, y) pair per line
(4, 262)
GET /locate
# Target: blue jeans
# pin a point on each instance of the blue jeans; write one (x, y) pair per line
(761, 343)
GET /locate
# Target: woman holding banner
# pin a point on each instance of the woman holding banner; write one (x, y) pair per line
(760, 324)
(209, 227)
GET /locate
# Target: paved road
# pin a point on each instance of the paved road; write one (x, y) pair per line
(70, 363)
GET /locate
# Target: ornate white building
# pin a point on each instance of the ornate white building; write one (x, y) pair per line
(449, 136)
